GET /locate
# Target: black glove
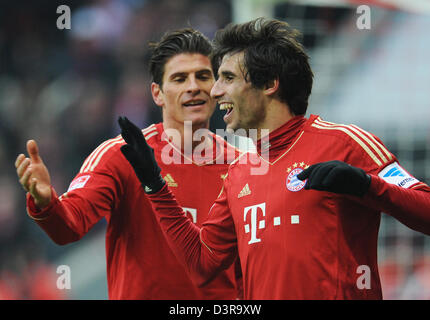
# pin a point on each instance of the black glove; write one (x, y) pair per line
(141, 156)
(336, 176)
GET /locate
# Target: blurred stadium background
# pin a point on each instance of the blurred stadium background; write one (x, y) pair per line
(65, 88)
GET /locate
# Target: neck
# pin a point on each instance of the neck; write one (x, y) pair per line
(277, 142)
(277, 114)
(185, 131)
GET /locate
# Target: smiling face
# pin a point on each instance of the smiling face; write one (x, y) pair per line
(185, 91)
(244, 103)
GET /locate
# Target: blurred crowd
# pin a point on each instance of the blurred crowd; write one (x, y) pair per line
(65, 89)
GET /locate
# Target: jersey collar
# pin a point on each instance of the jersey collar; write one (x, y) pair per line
(199, 158)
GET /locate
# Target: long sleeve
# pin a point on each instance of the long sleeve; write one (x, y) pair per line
(55, 220)
(409, 206)
(206, 251)
(92, 195)
(69, 217)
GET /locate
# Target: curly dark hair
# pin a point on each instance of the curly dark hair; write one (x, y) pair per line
(271, 51)
(185, 40)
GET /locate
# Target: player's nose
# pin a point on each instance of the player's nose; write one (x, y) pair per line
(193, 86)
(217, 91)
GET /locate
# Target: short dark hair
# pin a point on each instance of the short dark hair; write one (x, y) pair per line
(271, 51)
(186, 40)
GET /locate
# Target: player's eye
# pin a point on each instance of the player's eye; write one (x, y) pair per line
(205, 77)
(227, 76)
(179, 79)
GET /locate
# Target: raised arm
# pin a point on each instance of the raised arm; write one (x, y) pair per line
(90, 196)
(204, 252)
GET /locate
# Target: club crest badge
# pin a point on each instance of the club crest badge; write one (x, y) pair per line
(293, 183)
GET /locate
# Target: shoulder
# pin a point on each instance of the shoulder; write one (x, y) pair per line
(152, 133)
(104, 151)
(110, 149)
(317, 125)
(355, 139)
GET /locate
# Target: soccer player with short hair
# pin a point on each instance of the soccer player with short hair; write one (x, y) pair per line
(308, 227)
(140, 264)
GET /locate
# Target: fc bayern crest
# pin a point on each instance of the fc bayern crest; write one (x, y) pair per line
(293, 183)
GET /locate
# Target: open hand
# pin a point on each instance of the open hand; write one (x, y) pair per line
(33, 175)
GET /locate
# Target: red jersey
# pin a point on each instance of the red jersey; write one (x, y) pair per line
(140, 265)
(295, 243)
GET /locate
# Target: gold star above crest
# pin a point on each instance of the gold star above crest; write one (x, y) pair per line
(288, 170)
(302, 164)
(295, 165)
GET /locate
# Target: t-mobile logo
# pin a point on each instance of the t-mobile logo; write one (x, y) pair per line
(254, 220)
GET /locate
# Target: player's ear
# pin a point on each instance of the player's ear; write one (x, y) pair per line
(271, 87)
(157, 94)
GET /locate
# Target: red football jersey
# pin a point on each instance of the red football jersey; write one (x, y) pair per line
(140, 265)
(295, 243)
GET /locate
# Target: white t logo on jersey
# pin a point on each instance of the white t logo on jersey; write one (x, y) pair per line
(254, 215)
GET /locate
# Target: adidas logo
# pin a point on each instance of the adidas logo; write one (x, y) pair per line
(170, 181)
(245, 191)
(394, 172)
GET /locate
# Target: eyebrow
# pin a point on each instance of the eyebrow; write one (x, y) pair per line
(185, 74)
(204, 71)
(227, 74)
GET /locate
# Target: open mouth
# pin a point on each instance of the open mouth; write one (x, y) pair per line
(226, 106)
(194, 103)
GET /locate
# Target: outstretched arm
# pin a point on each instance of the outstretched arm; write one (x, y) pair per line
(34, 177)
(67, 218)
(409, 206)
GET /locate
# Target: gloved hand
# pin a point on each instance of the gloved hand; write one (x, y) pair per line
(141, 156)
(336, 176)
